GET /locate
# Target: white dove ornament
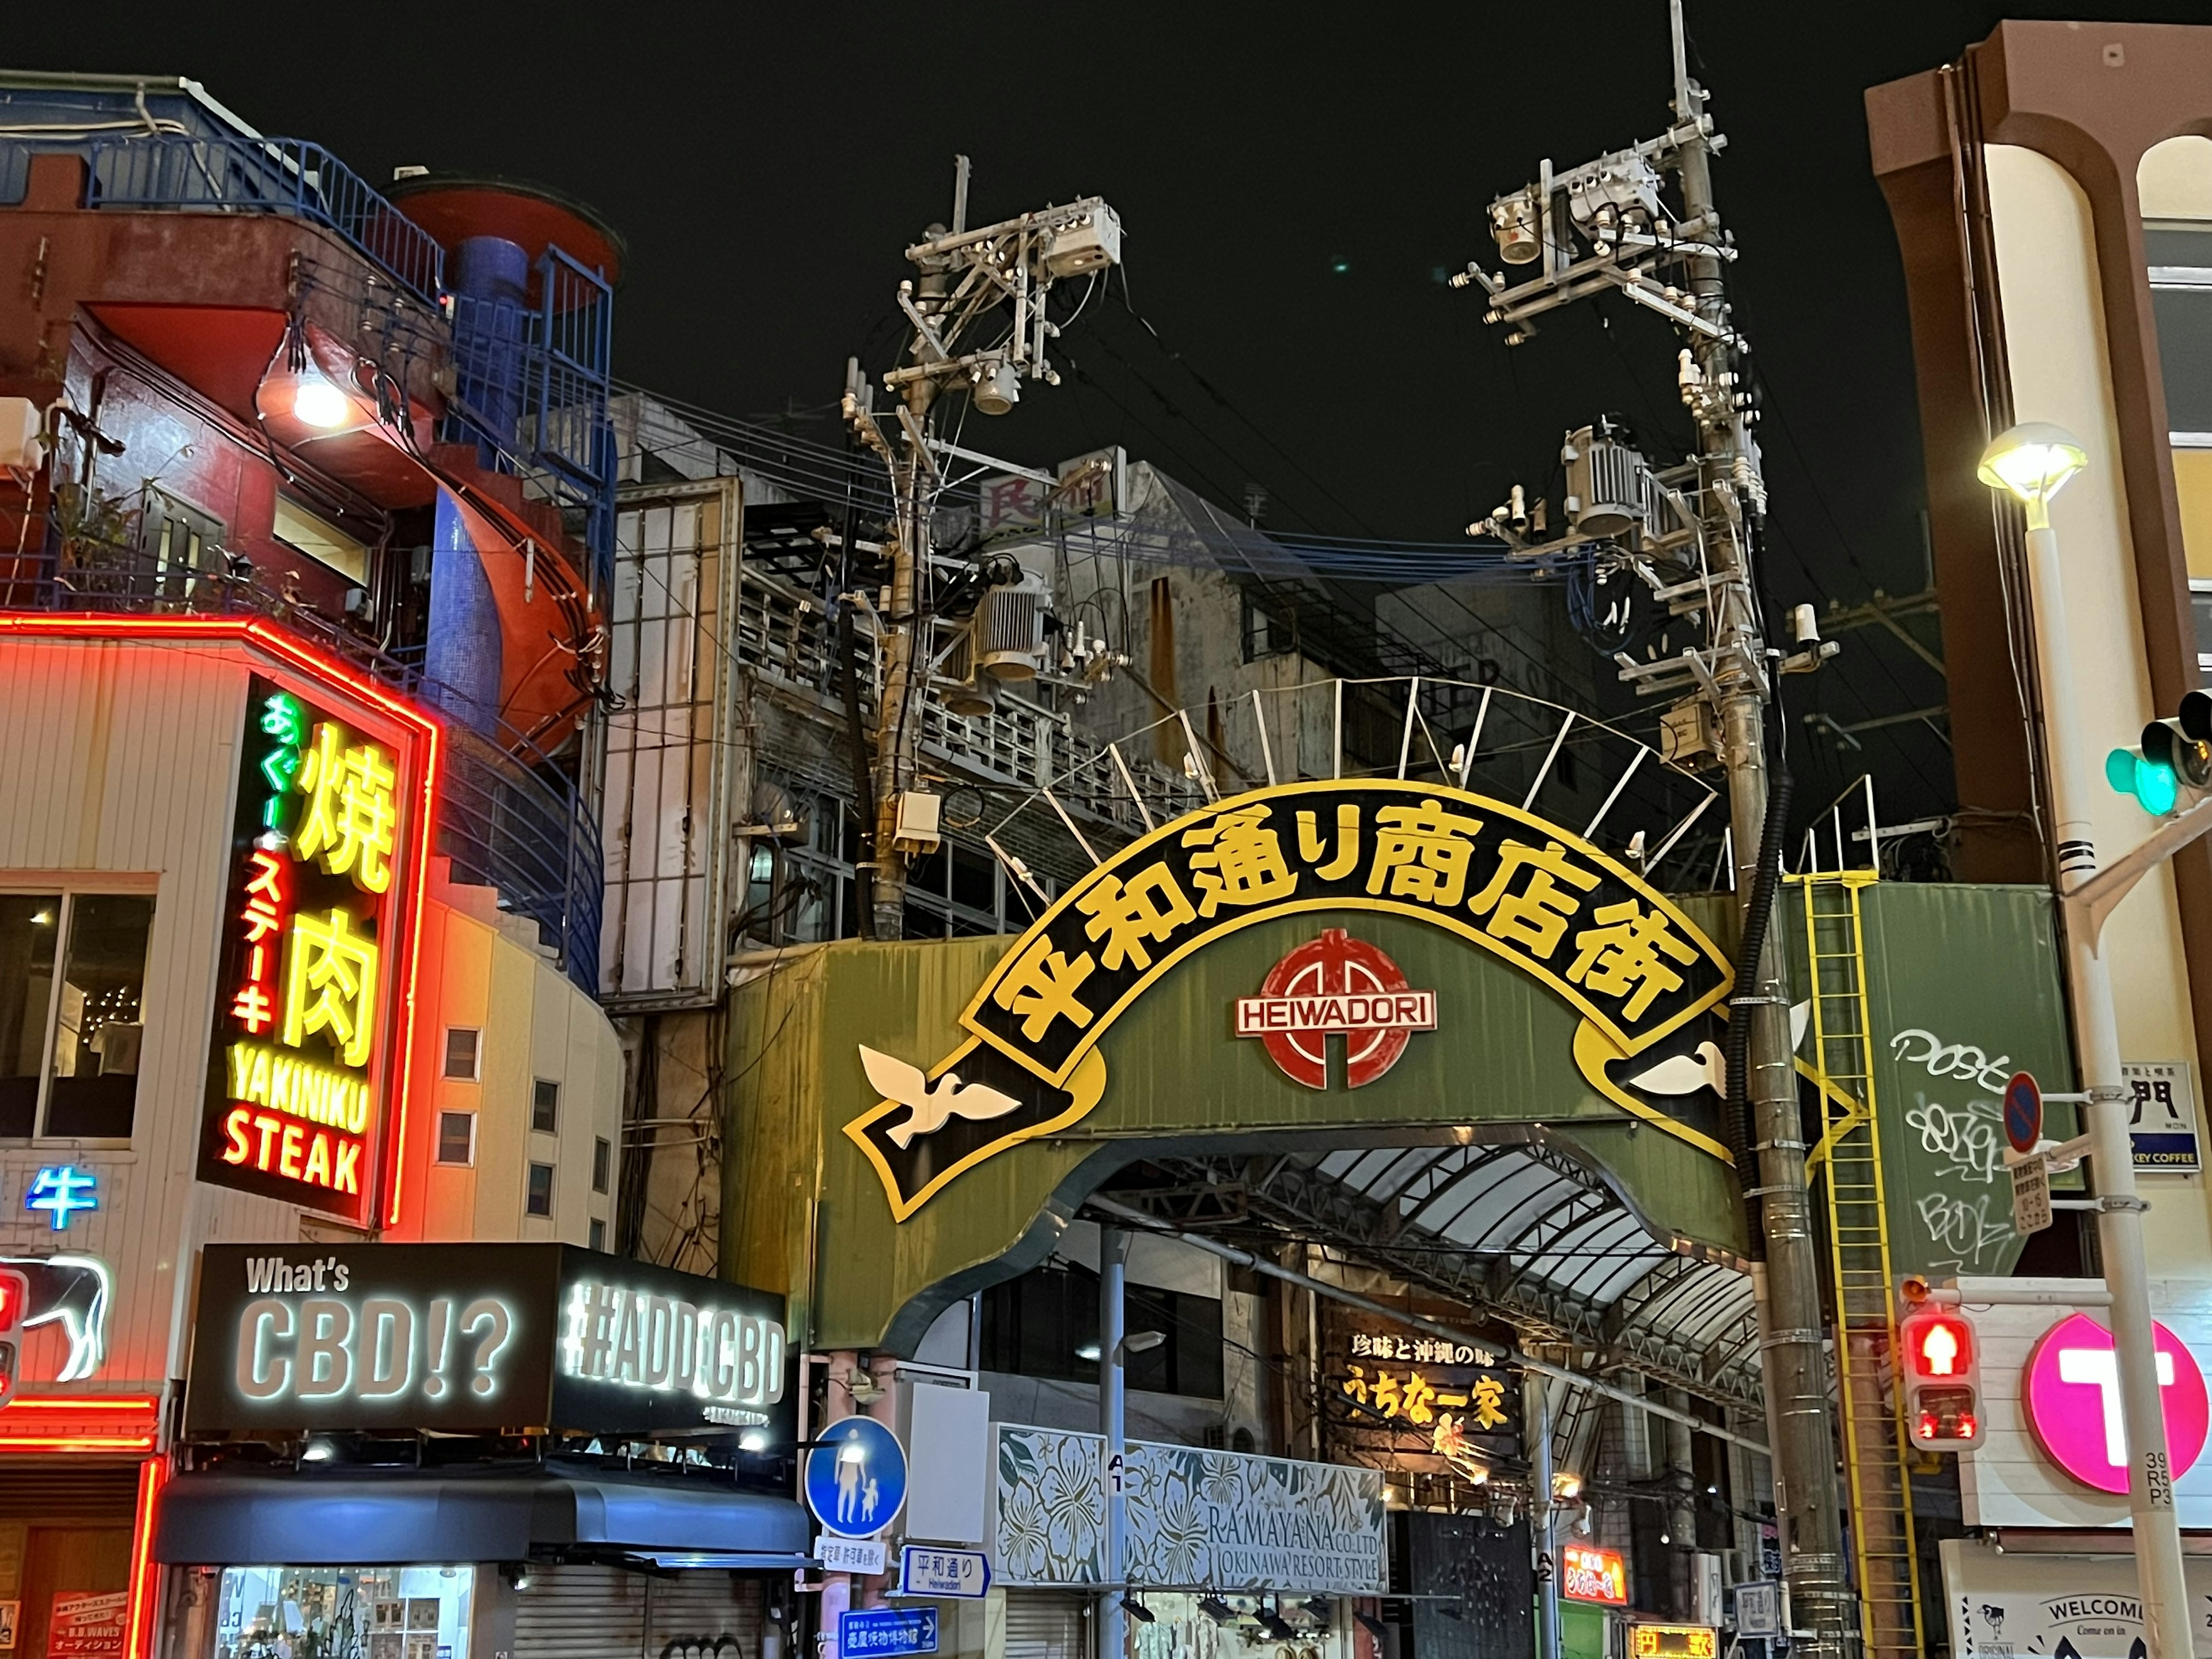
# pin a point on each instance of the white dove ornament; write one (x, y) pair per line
(1684, 1074)
(930, 1106)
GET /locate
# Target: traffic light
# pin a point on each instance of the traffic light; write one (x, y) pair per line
(1943, 1380)
(14, 1302)
(2174, 754)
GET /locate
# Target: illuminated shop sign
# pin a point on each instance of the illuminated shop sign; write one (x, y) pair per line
(731, 1361)
(1672, 1642)
(1588, 1573)
(490, 1338)
(304, 1028)
(2071, 1388)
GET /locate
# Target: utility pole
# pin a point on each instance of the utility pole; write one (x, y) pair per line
(1692, 533)
(966, 278)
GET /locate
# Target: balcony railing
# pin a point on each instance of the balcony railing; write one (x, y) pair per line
(290, 177)
(509, 818)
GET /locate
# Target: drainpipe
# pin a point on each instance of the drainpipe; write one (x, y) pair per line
(1113, 1266)
(462, 658)
(1543, 1512)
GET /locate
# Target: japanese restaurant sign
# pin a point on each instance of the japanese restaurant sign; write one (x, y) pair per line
(1505, 881)
(1401, 1391)
(307, 1029)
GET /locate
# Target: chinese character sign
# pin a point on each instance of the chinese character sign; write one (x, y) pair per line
(1507, 881)
(301, 1062)
(1396, 1389)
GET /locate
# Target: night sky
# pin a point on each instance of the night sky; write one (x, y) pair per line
(1294, 183)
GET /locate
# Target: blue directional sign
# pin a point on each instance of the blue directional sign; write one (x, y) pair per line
(856, 1484)
(885, 1632)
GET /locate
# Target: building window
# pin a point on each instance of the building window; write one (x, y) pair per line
(603, 1163)
(461, 1042)
(1045, 1324)
(540, 1200)
(544, 1106)
(599, 1235)
(457, 1137)
(72, 990)
(181, 544)
(323, 542)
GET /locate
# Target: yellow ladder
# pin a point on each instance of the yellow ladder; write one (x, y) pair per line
(1847, 1159)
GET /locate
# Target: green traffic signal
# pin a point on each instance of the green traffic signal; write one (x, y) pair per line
(2151, 781)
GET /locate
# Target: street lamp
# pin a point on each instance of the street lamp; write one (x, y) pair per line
(2033, 461)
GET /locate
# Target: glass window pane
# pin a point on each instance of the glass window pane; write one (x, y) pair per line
(2185, 350)
(461, 1053)
(974, 880)
(30, 934)
(2200, 605)
(545, 1106)
(97, 1034)
(457, 1137)
(603, 1163)
(541, 1190)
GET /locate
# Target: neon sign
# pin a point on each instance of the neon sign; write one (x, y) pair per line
(730, 1359)
(298, 1072)
(2072, 1392)
(62, 1190)
(1588, 1573)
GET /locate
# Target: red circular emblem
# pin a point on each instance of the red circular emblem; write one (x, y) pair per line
(1335, 986)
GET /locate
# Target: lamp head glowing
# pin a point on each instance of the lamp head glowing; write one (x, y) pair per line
(316, 403)
(2033, 460)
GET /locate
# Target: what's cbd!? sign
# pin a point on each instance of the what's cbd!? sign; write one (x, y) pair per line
(305, 1011)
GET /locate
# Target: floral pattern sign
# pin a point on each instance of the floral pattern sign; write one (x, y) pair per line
(1223, 1520)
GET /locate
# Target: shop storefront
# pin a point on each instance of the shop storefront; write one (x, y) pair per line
(404, 1452)
(1227, 1553)
(2048, 1485)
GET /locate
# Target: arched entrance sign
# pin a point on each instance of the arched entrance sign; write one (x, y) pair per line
(1501, 880)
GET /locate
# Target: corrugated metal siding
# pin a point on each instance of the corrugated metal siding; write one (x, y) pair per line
(665, 804)
(1047, 1625)
(598, 1613)
(68, 1492)
(120, 762)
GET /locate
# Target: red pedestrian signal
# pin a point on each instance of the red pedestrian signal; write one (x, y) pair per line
(1941, 1380)
(14, 1302)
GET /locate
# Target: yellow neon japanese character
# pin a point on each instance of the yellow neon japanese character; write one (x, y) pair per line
(331, 985)
(1425, 851)
(1386, 1395)
(1356, 1383)
(1311, 846)
(1624, 956)
(1242, 864)
(350, 815)
(1489, 1400)
(1418, 1398)
(1536, 917)
(251, 1008)
(1041, 987)
(1151, 905)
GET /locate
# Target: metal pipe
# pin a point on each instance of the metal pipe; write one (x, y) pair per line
(2127, 1275)
(1260, 1264)
(1543, 1511)
(1266, 752)
(1113, 1274)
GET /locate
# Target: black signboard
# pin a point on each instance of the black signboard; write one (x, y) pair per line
(479, 1338)
(1392, 1388)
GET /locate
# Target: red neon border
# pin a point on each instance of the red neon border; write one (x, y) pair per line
(145, 1582)
(286, 649)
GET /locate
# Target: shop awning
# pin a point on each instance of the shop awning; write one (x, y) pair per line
(363, 1517)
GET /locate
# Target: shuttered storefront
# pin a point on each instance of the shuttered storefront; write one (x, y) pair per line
(1047, 1624)
(606, 1612)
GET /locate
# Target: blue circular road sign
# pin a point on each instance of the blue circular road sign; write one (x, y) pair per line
(856, 1479)
(2023, 1112)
